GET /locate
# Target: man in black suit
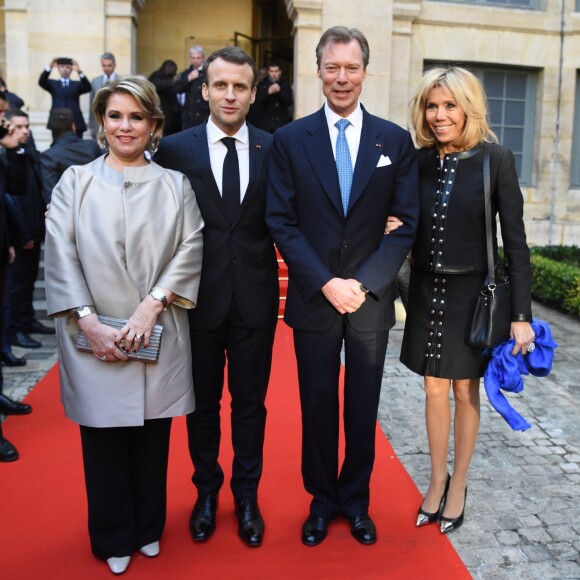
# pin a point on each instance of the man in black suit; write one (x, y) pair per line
(195, 108)
(225, 160)
(66, 150)
(66, 92)
(28, 213)
(334, 178)
(274, 101)
(12, 178)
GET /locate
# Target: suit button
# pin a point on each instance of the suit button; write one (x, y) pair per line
(345, 244)
(233, 260)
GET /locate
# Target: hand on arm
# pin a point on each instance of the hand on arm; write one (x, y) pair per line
(345, 295)
(393, 223)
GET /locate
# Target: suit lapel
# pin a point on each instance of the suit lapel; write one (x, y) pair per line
(369, 151)
(319, 150)
(256, 154)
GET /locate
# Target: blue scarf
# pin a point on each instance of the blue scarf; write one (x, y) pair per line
(504, 372)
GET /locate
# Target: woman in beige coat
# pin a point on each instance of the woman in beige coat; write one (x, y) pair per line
(124, 239)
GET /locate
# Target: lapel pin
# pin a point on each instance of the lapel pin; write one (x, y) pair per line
(258, 146)
(377, 144)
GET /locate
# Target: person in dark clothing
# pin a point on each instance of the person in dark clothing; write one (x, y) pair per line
(13, 99)
(28, 213)
(165, 80)
(273, 102)
(66, 150)
(195, 107)
(12, 178)
(66, 92)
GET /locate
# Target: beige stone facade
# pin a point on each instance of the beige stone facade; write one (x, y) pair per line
(403, 35)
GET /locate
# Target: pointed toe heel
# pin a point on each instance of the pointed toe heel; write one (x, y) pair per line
(425, 518)
(449, 524)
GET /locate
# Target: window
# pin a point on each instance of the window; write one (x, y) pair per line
(511, 97)
(524, 4)
(575, 169)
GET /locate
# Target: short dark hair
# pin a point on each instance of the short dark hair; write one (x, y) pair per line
(235, 55)
(60, 121)
(15, 113)
(343, 35)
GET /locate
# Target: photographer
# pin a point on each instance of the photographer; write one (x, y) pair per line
(66, 92)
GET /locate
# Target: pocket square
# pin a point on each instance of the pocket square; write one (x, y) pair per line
(384, 161)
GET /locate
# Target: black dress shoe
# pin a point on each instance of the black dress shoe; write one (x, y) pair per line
(202, 519)
(10, 407)
(36, 327)
(11, 360)
(251, 524)
(363, 529)
(23, 340)
(314, 530)
(7, 450)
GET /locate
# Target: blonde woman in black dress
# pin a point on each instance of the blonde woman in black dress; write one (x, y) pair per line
(449, 115)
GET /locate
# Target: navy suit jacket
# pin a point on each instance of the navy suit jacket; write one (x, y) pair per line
(67, 97)
(239, 259)
(305, 216)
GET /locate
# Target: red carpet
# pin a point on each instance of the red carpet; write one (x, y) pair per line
(43, 515)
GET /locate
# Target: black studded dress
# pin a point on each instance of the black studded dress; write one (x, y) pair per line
(448, 267)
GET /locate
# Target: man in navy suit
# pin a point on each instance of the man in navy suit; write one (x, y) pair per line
(328, 199)
(66, 92)
(237, 306)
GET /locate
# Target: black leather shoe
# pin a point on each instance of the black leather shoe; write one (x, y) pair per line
(36, 327)
(10, 407)
(23, 340)
(251, 524)
(314, 530)
(7, 450)
(363, 529)
(11, 360)
(202, 519)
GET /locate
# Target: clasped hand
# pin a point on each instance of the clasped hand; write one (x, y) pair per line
(345, 295)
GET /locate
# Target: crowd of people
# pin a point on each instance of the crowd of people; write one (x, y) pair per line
(174, 226)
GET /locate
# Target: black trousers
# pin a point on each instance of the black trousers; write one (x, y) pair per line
(318, 358)
(21, 279)
(249, 358)
(3, 272)
(126, 480)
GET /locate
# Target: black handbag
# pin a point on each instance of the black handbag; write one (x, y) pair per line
(491, 320)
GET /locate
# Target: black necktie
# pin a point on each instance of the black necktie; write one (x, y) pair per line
(231, 179)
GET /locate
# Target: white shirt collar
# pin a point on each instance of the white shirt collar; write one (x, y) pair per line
(355, 118)
(215, 134)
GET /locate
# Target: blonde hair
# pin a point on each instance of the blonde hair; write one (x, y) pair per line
(470, 96)
(144, 92)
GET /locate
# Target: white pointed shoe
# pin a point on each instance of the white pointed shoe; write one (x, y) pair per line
(150, 550)
(118, 565)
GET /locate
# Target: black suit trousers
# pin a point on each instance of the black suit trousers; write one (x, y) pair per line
(22, 276)
(249, 357)
(318, 355)
(126, 481)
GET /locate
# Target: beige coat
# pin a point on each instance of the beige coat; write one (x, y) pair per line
(110, 238)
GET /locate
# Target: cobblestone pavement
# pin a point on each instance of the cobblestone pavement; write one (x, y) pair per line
(523, 506)
(523, 509)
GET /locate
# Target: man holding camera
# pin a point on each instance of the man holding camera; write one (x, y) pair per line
(273, 102)
(66, 92)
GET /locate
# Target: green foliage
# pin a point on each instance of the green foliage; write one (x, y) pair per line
(568, 254)
(557, 283)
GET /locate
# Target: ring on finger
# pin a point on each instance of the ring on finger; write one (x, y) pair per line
(531, 347)
(138, 336)
(103, 357)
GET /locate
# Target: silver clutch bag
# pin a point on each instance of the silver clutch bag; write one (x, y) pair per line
(145, 355)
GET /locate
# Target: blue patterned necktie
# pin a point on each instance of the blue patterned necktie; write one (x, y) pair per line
(343, 163)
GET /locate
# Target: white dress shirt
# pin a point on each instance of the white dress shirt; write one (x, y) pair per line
(352, 132)
(218, 150)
